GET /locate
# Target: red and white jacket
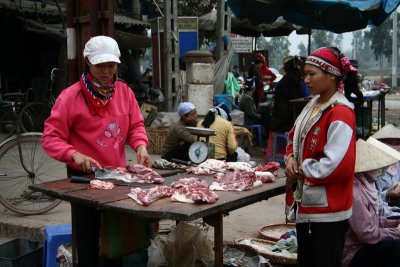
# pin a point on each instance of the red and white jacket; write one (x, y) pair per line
(324, 146)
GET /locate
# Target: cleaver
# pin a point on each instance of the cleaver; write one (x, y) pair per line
(86, 180)
(103, 174)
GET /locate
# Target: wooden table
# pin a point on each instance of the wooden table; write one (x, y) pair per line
(117, 200)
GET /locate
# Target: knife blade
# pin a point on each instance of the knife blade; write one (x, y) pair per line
(82, 179)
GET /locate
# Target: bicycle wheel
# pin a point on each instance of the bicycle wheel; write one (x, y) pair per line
(38, 112)
(14, 180)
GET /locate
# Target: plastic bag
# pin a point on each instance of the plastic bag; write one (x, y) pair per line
(242, 155)
(185, 246)
(231, 86)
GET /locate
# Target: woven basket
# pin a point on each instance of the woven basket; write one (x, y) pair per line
(264, 247)
(273, 232)
(157, 136)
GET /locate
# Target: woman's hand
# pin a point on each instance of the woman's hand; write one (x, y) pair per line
(391, 193)
(293, 172)
(142, 156)
(84, 162)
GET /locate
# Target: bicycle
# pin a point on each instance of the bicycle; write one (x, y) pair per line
(40, 110)
(24, 162)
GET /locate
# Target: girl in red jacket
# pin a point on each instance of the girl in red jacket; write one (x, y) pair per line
(320, 161)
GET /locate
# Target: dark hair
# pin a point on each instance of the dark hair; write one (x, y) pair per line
(225, 108)
(249, 84)
(208, 119)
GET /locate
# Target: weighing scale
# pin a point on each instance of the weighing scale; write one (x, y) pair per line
(201, 150)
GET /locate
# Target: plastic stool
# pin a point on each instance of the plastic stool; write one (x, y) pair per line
(276, 147)
(258, 128)
(55, 236)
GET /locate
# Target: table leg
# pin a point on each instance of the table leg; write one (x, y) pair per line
(216, 221)
(74, 251)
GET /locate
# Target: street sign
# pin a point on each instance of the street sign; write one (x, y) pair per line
(242, 45)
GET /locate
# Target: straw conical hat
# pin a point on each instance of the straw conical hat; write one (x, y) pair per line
(369, 157)
(387, 131)
(382, 146)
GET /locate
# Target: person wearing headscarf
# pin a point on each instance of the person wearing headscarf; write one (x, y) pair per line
(351, 85)
(288, 88)
(89, 125)
(224, 138)
(262, 76)
(371, 240)
(388, 182)
(178, 140)
(320, 158)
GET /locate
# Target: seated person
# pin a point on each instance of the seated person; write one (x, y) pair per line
(248, 106)
(179, 139)
(371, 240)
(387, 183)
(224, 140)
(291, 86)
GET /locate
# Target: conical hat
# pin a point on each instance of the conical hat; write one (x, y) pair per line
(387, 131)
(382, 146)
(369, 157)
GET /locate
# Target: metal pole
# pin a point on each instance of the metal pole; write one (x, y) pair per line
(394, 50)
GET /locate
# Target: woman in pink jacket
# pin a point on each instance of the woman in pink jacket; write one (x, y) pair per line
(320, 160)
(89, 125)
(371, 240)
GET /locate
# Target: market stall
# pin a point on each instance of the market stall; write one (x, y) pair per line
(118, 200)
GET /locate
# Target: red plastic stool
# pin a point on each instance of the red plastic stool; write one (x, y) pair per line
(276, 147)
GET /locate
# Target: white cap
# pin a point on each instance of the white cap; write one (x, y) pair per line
(100, 49)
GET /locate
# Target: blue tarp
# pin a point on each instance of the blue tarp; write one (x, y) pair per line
(335, 16)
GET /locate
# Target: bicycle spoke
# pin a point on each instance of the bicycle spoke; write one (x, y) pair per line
(14, 192)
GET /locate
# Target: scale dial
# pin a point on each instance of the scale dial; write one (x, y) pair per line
(198, 152)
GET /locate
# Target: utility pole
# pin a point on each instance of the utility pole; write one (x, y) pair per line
(171, 50)
(394, 50)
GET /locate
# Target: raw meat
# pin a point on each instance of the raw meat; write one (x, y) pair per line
(235, 181)
(272, 167)
(193, 182)
(193, 194)
(146, 196)
(239, 166)
(265, 177)
(101, 185)
(193, 190)
(142, 174)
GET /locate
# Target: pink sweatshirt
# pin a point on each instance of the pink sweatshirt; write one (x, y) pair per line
(72, 128)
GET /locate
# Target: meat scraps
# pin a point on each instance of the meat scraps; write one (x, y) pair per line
(101, 184)
(193, 190)
(272, 167)
(235, 181)
(132, 173)
(146, 196)
(193, 194)
(193, 181)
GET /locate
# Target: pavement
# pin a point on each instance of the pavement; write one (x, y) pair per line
(240, 223)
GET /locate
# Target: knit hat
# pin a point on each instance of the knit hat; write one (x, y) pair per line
(330, 60)
(101, 49)
(388, 131)
(369, 157)
(184, 108)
